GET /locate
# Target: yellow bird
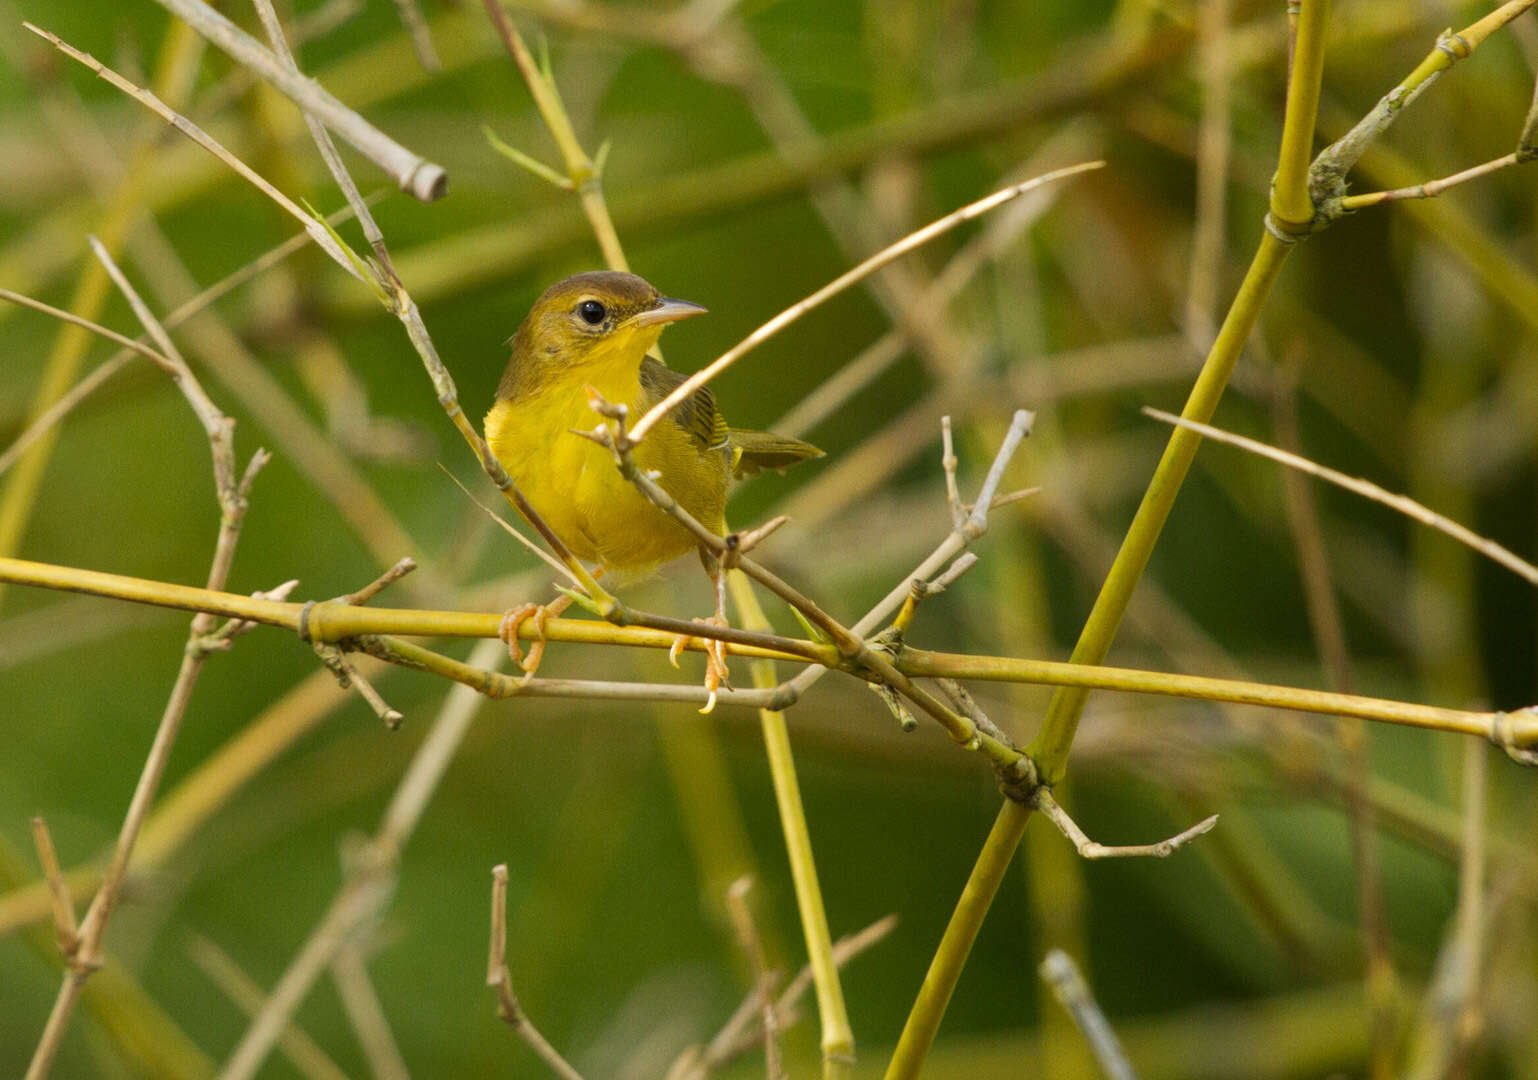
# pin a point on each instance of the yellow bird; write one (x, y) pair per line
(594, 330)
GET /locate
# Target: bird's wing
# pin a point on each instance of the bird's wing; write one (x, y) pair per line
(696, 414)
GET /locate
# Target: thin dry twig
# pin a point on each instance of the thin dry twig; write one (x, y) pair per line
(312, 226)
(232, 493)
(1062, 975)
(763, 978)
(1042, 800)
(501, 980)
(843, 281)
(296, 1044)
(1431, 188)
(421, 38)
(1365, 488)
(738, 1035)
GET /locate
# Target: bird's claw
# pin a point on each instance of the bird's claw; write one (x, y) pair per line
(717, 674)
(508, 629)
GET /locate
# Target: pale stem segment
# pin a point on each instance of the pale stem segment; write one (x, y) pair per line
(1062, 976)
(418, 177)
(763, 978)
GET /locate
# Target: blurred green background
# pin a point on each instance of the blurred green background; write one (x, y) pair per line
(1403, 340)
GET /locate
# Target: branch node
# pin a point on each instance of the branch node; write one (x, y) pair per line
(1521, 747)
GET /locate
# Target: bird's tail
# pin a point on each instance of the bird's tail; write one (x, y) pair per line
(755, 451)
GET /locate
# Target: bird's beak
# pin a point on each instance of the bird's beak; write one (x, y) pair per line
(667, 310)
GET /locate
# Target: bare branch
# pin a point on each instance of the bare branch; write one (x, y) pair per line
(1365, 488)
(501, 980)
(305, 1054)
(1042, 799)
(843, 281)
(763, 978)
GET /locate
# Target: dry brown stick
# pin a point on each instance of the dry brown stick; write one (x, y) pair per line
(232, 492)
(501, 980)
(413, 174)
(737, 1036)
(322, 139)
(65, 927)
(349, 970)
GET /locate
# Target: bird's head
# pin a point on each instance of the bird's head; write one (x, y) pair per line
(593, 317)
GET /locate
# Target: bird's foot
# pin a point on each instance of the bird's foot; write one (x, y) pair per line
(717, 674)
(513, 621)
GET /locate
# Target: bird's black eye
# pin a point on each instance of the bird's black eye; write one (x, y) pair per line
(592, 312)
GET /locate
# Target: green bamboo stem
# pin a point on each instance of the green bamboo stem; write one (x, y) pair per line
(585, 177)
(1291, 205)
(837, 1035)
(333, 622)
(1292, 209)
(945, 969)
(1050, 748)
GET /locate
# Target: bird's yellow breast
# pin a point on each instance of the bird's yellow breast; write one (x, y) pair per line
(574, 484)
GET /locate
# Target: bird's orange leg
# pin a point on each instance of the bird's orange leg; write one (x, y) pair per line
(716, 672)
(514, 619)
